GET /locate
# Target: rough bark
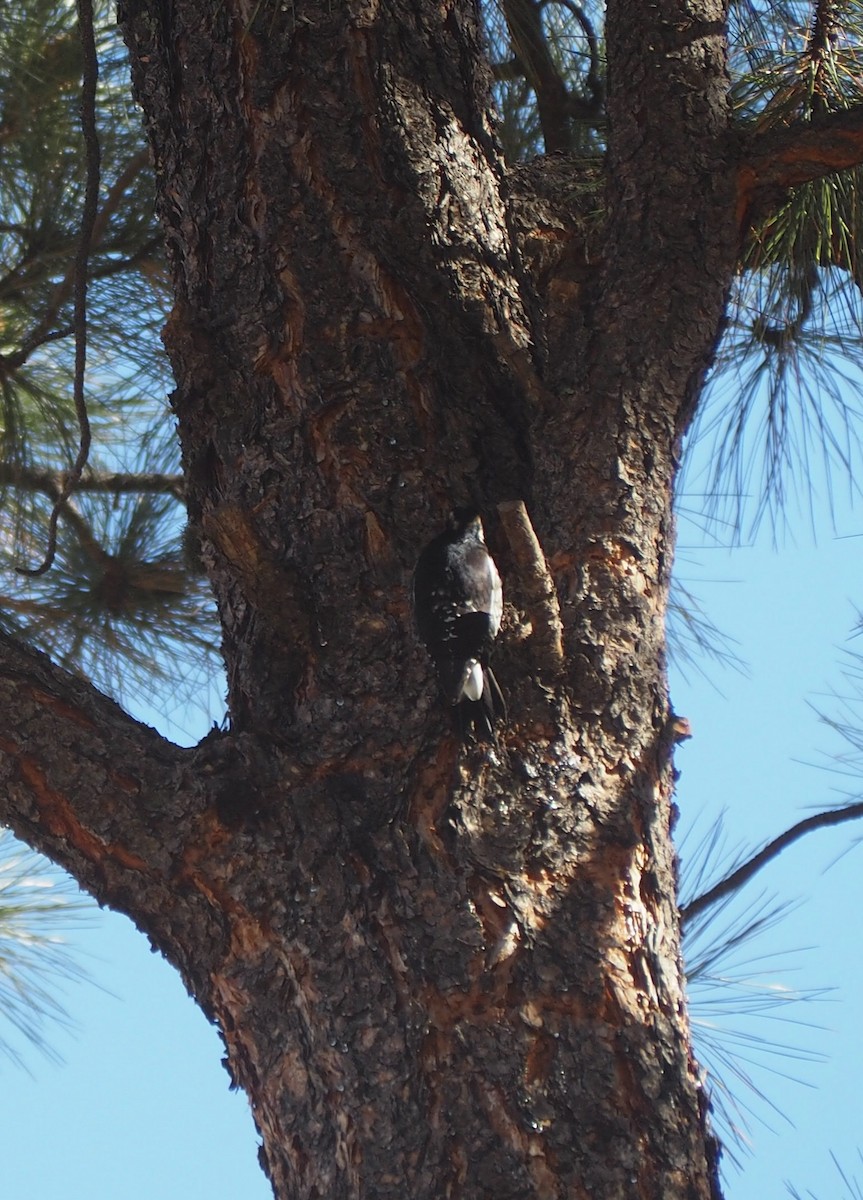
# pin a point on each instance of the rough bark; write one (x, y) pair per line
(121, 808)
(785, 156)
(439, 972)
(775, 160)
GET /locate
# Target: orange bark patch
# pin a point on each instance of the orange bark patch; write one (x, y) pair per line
(58, 817)
(430, 797)
(67, 711)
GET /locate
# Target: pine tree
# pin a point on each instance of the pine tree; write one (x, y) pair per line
(439, 969)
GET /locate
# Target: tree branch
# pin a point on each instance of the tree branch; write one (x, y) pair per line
(780, 158)
(737, 878)
(104, 796)
(89, 215)
(593, 79)
(553, 100)
(111, 482)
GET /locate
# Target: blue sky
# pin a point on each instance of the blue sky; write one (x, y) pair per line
(140, 1106)
(760, 753)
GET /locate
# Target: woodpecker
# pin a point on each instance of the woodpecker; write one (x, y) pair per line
(458, 604)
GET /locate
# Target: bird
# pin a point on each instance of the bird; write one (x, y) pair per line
(458, 606)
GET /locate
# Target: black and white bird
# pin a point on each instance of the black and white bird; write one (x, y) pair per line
(458, 604)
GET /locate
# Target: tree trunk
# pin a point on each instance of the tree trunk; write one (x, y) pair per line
(440, 971)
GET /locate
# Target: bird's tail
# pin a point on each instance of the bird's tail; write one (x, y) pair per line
(477, 718)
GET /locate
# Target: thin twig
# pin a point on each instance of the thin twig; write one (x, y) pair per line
(32, 479)
(89, 82)
(737, 878)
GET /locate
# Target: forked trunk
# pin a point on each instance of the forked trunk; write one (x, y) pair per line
(439, 972)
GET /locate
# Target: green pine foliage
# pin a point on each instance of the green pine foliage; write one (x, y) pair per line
(778, 414)
(125, 602)
(37, 909)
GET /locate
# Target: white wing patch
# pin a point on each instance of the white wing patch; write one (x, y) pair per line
(495, 608)
(474, 682)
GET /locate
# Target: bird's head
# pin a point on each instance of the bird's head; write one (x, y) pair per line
(466, 523)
